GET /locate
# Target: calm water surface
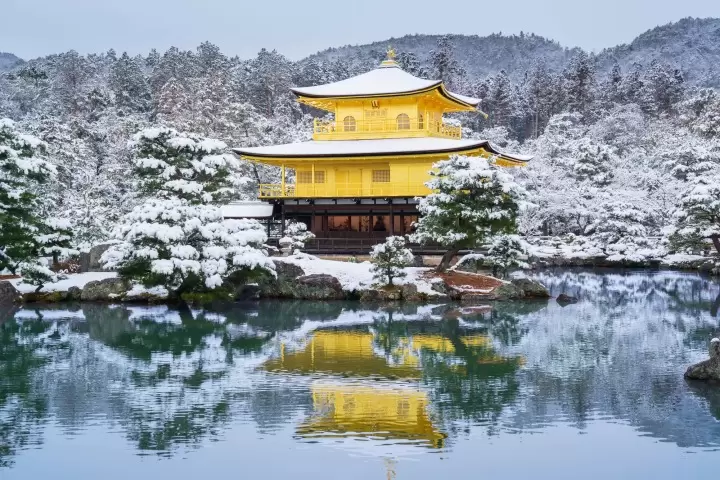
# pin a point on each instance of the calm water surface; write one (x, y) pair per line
(318, 390)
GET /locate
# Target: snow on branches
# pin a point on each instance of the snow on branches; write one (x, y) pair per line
(698, 217)
(296, 236)
(24, 235)
(178, 238)
(172, 164)
(389, 259)
(505, 253)
(472, 200)
(185, 247)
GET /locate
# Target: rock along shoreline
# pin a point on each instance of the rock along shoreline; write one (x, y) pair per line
(297, 280)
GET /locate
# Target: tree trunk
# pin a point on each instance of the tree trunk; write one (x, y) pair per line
(446, 259)
(716, 242)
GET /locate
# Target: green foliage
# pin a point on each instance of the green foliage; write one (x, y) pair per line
(472, 200)
(24, 234)
(389, 259)
(506, 252)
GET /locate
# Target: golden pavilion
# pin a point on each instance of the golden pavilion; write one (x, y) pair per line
(358, 179)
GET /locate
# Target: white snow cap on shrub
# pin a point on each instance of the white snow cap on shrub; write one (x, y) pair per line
(389, 258)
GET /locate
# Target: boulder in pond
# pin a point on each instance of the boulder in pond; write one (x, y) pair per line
(9, 300)
(106, 290)
(530, 288)
(74, 293)
(282, 284)
(8, 293)
(564, 299)
(318, 286)
(707, 370)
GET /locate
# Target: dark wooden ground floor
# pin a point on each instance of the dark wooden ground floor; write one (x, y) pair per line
(347, 226)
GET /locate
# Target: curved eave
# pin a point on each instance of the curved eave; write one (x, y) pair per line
(323, 101)
(275, 159)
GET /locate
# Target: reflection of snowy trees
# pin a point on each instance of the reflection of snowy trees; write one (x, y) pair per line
(170, 380)
(619, 352)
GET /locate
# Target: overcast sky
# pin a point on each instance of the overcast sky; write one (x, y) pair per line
(30, 28)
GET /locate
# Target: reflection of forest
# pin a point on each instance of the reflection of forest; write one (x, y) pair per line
(171, 379)
(620, 352)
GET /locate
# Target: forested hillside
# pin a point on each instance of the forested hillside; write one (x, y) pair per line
(477, 56)
(8, 61)
(617, 142)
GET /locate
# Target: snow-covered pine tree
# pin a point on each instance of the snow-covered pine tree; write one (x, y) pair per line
(132, 91)
(444, 66)
(409, 62)
(177, 238)
(701, 112)
(505, 253)
(501, 101)
(580, 87)
(296, 236)
(472, 200)
(593, 162)
(389, 259)
(269, 77)
(662, 88)
(25, 235)
(697, 220)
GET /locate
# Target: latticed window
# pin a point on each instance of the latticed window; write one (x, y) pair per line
(377, 113)
(306, 177)
(349, 123)
(403, 122)
(381, 176)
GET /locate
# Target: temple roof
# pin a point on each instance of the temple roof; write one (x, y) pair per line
(369, 148)
(247, 210)
(388, 79)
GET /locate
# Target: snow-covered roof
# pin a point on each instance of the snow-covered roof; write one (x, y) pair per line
(247, 210)
(385, 80)
(368, 148)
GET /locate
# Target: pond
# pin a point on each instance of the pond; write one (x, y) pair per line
(339, 390)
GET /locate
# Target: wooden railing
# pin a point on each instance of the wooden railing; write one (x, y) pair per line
(343, 190)
(272, 190)
(383, 128)
(362, 246)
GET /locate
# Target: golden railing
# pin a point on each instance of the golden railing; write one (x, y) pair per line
(383, 128)
(343, 190)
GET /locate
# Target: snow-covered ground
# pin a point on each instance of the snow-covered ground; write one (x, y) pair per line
(356, 276)
(638, 251)
(73, 280)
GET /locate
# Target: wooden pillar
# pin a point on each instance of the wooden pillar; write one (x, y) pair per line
(282, 217)
(282, 183)
(392, 219)
(313, 178)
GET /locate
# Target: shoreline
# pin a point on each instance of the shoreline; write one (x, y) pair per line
(299, 278)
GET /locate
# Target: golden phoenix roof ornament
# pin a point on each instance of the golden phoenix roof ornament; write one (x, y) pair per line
(390, 60)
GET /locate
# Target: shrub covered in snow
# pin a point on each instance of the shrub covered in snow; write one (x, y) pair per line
(24, 234)
(178, 238)
(389, 259)
(296, 236)
(472, 200)
(178, 165)
(698, 218)
(505, 253)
